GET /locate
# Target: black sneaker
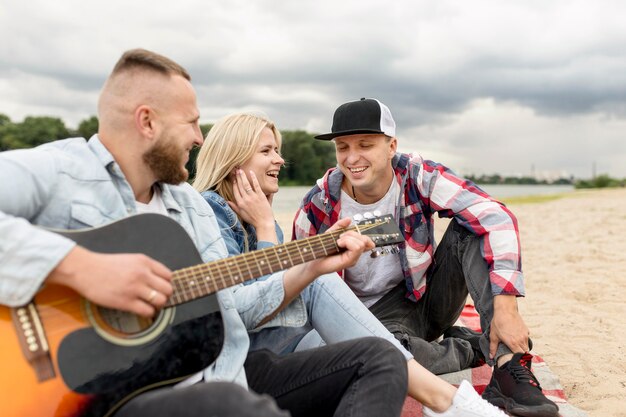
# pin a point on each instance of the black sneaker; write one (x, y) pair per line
(473, 338)
(515, 388)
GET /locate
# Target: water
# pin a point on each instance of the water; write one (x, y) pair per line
(504, 190)
(288, 199)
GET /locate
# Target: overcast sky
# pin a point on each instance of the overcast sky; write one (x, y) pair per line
(510, 87)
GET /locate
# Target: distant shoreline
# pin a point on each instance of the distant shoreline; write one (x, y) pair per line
(288, 198)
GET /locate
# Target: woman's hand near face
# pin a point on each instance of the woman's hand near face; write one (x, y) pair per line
(253, 207)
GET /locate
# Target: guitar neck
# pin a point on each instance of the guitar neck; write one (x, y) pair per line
(201, 280)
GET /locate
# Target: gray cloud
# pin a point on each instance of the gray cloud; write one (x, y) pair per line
(489, 87)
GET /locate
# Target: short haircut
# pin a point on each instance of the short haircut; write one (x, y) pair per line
(144, 59)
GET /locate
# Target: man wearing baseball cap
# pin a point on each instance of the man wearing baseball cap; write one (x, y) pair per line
(418, 292)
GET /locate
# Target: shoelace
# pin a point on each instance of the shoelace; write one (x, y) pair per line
(522, 372)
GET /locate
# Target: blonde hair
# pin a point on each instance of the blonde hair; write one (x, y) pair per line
(228, 145)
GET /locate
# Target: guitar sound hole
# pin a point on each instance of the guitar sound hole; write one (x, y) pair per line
(124, 328)
(123, 322)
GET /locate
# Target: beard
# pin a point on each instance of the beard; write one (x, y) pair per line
(166, 161)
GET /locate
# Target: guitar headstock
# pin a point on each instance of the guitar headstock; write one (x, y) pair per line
(383, 230)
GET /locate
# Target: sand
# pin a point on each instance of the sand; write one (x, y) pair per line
(574, 262)
(574, 254)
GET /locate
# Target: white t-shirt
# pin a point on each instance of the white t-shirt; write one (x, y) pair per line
(371, 278)
(155, 205)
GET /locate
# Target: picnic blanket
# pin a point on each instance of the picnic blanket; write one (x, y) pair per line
(480, 377)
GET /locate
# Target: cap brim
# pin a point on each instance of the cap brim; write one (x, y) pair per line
(329, 136)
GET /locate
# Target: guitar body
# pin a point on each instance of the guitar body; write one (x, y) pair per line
(101, 357)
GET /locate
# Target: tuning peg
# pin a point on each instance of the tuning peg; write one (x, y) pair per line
(377, 213)
(374, 253)
(368, 215)
(357, 217)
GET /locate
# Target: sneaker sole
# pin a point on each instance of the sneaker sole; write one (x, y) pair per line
(496, 398)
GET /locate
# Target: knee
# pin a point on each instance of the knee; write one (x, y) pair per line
(228, 399)
(384, 354)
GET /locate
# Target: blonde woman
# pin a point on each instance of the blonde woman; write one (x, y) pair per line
(237, 173)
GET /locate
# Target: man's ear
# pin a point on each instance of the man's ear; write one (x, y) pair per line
(393, 147)
(145, 121)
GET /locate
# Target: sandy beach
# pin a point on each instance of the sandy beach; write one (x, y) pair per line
(574, 254)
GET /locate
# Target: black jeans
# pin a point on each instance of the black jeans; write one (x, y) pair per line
(211, 399)
(362, 377)
(458, 267)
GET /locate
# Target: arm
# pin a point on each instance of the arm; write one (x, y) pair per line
(30, 256)
(507, 326)
(443, 192)
(27, 253)
(454, 197)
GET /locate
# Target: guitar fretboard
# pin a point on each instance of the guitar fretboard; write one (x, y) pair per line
(200, 280)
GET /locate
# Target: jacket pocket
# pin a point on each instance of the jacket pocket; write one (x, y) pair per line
(84, 215)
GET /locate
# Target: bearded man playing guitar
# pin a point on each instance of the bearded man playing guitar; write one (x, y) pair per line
(156, 357)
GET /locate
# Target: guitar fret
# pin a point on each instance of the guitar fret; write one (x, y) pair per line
(200, 282)
(257, 263)
(312, 252)
(267, 260)
(219, 273)
(246, 263)
(211, 284)
(284, 262)
(191, 284)
(298, 250)
(177, 296)
(333, 243)
(236, 278)
(319, 239)
(204, 278)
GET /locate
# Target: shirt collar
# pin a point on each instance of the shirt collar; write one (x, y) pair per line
(108, 161)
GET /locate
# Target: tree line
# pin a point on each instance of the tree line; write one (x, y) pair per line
(306, 159)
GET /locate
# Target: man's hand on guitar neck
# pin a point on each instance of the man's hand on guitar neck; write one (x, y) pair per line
(354, 244)
(128, 282)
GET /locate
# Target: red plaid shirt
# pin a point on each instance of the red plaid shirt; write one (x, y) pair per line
(428, 188)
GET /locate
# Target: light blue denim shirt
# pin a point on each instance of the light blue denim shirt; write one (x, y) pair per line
(73, 184)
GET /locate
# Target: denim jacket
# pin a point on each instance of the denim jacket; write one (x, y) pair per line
(73, 184)
(234, 237)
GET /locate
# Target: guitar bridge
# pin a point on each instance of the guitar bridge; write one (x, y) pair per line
(33, 342)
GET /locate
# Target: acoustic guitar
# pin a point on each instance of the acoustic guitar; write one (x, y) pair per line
(62, 355)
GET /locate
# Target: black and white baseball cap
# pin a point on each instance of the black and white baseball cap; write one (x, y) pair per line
(367, 115)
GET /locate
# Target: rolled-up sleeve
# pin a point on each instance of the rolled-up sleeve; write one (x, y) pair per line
(452, 196)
